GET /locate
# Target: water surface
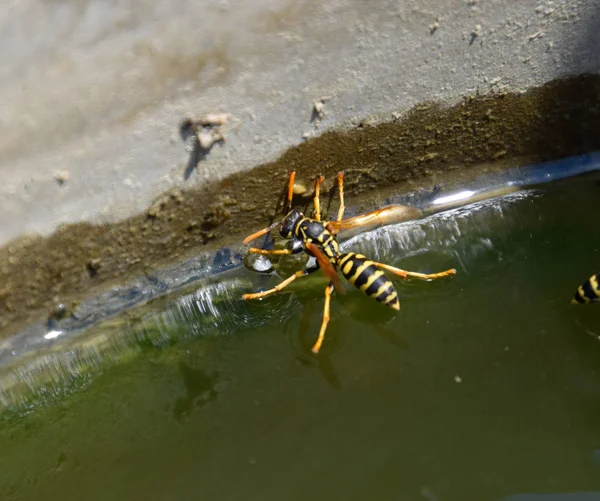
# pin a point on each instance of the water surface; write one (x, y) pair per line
(483, 386)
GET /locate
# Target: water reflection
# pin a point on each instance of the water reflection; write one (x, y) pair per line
(199, 390)
(303, 338)
(354, 308)
(455, 197)
(470, 234)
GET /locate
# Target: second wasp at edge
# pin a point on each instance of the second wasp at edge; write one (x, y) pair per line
(588, 291)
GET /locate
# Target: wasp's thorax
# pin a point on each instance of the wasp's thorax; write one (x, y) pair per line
(289, 223)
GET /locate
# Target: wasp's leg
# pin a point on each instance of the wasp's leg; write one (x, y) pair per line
(254, 250)
(316, 201)
(290, 190)
(285, 283)
(317, 345)
(424, 276)
(342, 208)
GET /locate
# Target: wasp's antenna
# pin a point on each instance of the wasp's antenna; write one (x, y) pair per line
(260, 233)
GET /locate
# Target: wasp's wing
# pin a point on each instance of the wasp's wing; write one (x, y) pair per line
(371, 220)
(324, 263)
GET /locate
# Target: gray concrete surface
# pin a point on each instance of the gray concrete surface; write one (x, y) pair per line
(97, 89)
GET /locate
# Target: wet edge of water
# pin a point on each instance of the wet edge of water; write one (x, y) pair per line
(210, 309)
(431, 143)
(59, 352)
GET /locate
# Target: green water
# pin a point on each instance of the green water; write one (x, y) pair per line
(483, 386)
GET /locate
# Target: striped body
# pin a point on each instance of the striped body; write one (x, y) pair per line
(358, 270)
(364, 275)
(589, 291)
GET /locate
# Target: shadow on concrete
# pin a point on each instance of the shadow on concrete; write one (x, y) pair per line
(192, 134)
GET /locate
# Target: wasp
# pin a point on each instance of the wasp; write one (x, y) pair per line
(319, 239)
(589, 291)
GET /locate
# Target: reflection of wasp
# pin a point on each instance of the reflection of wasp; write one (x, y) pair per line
(589, 291)
(318, 239)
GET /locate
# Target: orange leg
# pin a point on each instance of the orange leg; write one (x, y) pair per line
(424, 276)
(317, 345)
(290, 191)
(269, 251)
(317, 204)
(285, 283)
(340, 178)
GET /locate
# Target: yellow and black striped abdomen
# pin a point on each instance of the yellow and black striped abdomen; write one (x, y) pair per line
(588, 291)
(370, 280)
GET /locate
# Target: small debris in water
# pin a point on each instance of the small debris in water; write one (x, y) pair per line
(428, 494)
(457, 379)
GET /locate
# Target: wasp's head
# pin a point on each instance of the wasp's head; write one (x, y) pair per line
(289, 223)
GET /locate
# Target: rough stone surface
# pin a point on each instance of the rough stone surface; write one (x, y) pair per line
(93, 92)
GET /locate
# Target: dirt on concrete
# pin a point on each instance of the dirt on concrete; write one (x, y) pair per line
(431, 145)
